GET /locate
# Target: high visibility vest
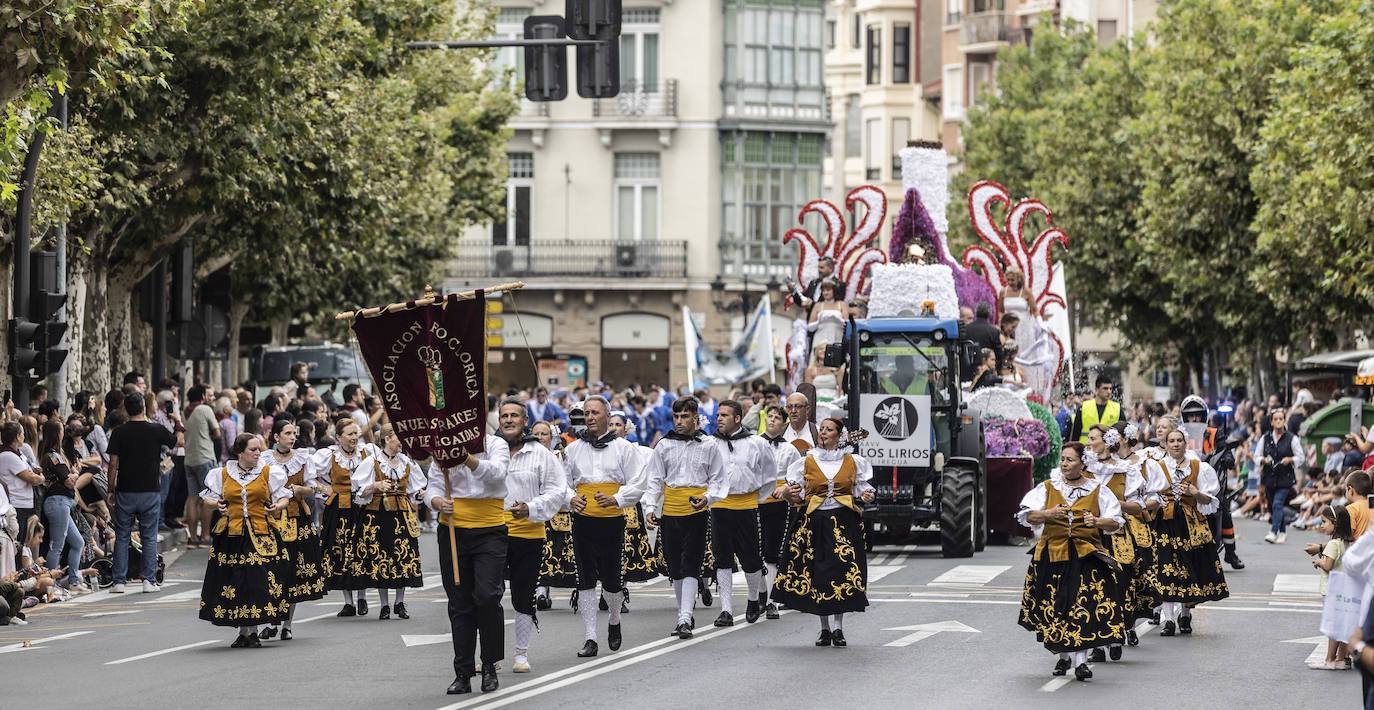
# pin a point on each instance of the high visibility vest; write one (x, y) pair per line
(1088, 416)
(916, 386)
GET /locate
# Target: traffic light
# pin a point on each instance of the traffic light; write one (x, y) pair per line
(546, 67)
(592, 19)
(183, 264)
(22, 355)
(598, 70)
(48, 328)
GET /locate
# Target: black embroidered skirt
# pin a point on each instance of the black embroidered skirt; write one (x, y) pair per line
(1137, 583)
(338, 537)
(639, 554)
(304, 550)
(386, 552)
(1072, 605)
(1186, 561)
(824, 569)
(245, 580)
(559, 566)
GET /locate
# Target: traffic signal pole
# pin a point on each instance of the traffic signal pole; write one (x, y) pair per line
(57, 380)
(23, 237)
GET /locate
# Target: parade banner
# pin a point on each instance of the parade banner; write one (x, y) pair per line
(428, 365)
(751, 356)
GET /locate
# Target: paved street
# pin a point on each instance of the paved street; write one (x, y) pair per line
(941, 633)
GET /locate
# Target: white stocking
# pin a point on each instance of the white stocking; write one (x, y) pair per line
(524, 625)
(386, 598)
(290, 614)
(770, 573)
(613, 604)
(362, 595)
(755, 581)
(839, 622)
(825, 622)
(586, 604)
(541, 591)
(725, 587)
(400, 595)
(687, 599)
(348, 596)
(1079, 658)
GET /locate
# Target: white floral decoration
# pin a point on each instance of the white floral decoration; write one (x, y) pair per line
(998, 402)
(901, 289)
(927, 170)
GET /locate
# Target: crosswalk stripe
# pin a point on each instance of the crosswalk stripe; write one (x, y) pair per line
(1296, 584)
(969, 575)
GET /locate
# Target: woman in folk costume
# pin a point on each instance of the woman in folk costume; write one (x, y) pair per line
(331, 471)
(387, 486)
(1188, 566)
(638, 563)
(558, 567)
(824, 569)
(1136, 588)
(297, 528)
(1144, 571)
(1068, 600)
(246, 577)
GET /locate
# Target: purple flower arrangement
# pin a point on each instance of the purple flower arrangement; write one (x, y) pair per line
(1016, 437)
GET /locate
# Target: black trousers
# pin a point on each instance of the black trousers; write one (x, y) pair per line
(773, 530)
(474, 605)
(523, 558)
(683, 540)
(598, 546)
(736, 533)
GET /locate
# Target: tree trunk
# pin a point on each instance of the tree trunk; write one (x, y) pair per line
(121, 344)
(279, 330)
(78, 277)
(237, 310)
(6, 292)
(96, 372)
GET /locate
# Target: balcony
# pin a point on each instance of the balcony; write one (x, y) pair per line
(640, 101)
(587, 258)
(533, 109)
(983, 32)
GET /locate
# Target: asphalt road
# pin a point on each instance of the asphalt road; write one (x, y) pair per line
(940, 633)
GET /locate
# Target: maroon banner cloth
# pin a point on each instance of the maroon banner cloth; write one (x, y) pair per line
(1009, 479)
(428, 365)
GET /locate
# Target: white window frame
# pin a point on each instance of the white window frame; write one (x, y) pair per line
(638, 32)
(952, 87)
(979, 86)
(638, 184)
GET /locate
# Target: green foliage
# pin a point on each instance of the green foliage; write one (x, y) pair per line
(1050, 460)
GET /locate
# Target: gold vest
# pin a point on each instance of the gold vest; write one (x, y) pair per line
(259, 496)
(1058, 534)
(396, 499)
(817, 485)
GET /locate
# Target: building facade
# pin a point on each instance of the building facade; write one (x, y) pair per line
(676, 192)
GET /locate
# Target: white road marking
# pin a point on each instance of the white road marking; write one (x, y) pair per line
(432, 582)
(1056, 684)
(186, 596)
(1318, 643)
(163, 652)
(11, 648)
(427, 639)
(940, 595)
(110, 613)
(877, 573)
(1307, 584)
(969, 575)
(313, 618)
(925, 631)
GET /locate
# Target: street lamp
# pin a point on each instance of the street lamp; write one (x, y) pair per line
(744, 303)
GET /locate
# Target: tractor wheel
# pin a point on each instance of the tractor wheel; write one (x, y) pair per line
(958, 511)
(982, 518)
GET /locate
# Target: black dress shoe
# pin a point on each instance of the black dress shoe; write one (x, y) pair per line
(384, 613)
(1233, 559)
(837, 639)
(1062, 667)
(268, 632)
(543, 603)
(613, 637)
(1168, 629)
(1185, 624)
(725, 619)
(239, 642)
(401, 612)
(683, 631)
(251, 641)
(588, 649)
(1131, 638)
(286, 635)
(601, 604)
(1154, 619)
(489, 681)
(1114, 653)
(348, 610)
(751, 612)
(461, 685)
(704, 591)
(1097, 655)
(824, 639)
(1083, 672)
(771, 612)
(362, 607)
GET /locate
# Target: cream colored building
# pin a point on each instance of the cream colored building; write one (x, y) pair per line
(620, 211)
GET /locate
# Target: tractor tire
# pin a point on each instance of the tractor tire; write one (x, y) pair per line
(981, 520)
(958, 511)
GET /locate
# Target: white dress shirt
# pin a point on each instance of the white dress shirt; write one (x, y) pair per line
(536, 478)
(1107, 504)
(829, 462)
(317, 473)
(804, 434)
(487, 481)
(675, 463)
(784, 455)
(616, 462)
(750, 468)
(276, 482)
(1103, 471)
(1206, 481)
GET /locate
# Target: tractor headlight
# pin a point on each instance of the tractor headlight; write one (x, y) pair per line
(938, 335)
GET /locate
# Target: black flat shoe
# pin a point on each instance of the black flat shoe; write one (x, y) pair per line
(1062, 666)
(489, 681)
(1097, 655)
(1234, 560)
(837, 639)
(704, 592)
(239, 642)
(771, 612)
(268, 632)
(362, 607)
(683, 631)
(1168, 629)
(588, 649)
(460, 686)
(1185, 624)
(384, 613)
(824, 639)
(1083, 672)
(543, 603)
(613, 637)
(1114, 653)
(348, 610)
(1154, 619)
(286, 635)
(1131, 638)
(751, 612)
(251, 641)
(401, 612)
(725, 619)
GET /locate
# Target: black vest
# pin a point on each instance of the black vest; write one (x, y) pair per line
(1277, 474)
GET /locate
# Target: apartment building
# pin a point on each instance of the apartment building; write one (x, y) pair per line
(620, 211)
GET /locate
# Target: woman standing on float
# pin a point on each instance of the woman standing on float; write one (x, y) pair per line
(824, 570)
(388, 484)
(297, 528)
(331, 471)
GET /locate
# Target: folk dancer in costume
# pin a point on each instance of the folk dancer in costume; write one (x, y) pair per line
(605, 475)
(249, 567)
(1136, 587)
(686, 473)
(1194, 410)
(1144, 571)
(773, 510)
(1188, 567)
(297, 527)
(536, 488)
(750, 474)
(639, 560)
(331, 471)
(387, 487)
(470, 499)
(1067, 600)
(825, 569)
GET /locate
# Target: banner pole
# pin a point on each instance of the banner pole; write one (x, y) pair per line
(429, 299)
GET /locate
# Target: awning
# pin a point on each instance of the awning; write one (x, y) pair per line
(1365, 374)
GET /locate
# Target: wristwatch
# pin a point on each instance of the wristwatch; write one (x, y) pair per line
(1358, 649)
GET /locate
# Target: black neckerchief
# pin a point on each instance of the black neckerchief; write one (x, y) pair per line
(775, 440)
(730, 439)
(596, 443)
(694, 436)
(525, 438)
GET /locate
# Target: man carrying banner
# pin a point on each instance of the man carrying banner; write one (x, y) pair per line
(605, 475)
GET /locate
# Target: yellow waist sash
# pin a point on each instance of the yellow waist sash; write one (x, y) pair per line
(594, 509)
(770, 498)
(677, 501)
(523, 527)
(476, 513)
(845, 500)
(739, 501)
